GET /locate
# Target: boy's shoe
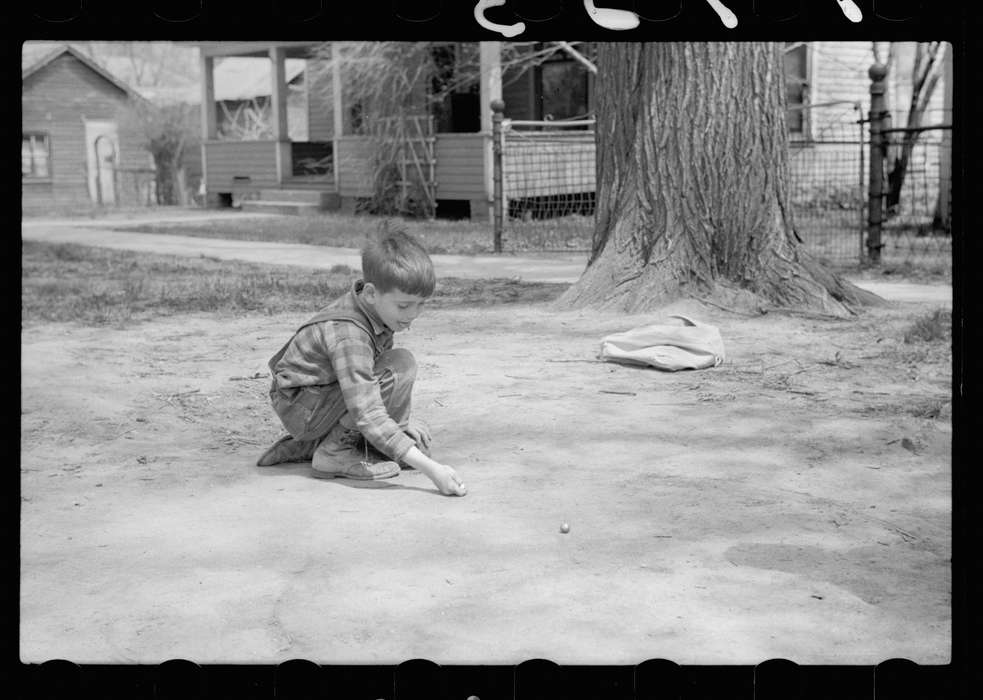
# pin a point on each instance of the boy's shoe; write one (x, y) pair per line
(345, 453)
(287, 449)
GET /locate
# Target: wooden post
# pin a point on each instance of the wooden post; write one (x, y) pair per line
(336, 90)
(278, 111)
(338, 112)
(490, 55)
(875, 194)
(498, 200)
(209, 128)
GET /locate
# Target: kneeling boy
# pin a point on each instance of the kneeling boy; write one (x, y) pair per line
(342, 390)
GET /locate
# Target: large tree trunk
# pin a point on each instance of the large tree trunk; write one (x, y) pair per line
(692, 177)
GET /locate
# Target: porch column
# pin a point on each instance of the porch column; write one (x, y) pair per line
(278, 112)
(209, 128)
(490, 55)
(338, 122)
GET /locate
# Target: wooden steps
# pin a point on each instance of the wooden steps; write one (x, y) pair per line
(297, 202)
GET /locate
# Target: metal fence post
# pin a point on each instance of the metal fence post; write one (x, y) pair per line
(498, 108)
(860, 187)
(875, 194)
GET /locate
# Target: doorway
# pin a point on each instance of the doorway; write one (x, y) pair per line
(102, 159)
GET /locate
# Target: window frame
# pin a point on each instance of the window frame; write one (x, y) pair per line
(805, 133)
(33, 177)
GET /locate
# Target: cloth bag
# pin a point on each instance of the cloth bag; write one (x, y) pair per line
(668, 347)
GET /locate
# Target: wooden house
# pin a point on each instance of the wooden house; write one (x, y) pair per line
(827, 87)
(273, 173)
(78, 148)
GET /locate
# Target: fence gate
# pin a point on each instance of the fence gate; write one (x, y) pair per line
(547, 185)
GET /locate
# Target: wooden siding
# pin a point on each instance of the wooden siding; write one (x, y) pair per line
(461, 166)
(56, 101)
(459, 172)
(839, 71)
(254, 162)
(353, 155)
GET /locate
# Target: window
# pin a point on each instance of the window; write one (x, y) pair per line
(35, 156)
(797, 87)
(563, 89)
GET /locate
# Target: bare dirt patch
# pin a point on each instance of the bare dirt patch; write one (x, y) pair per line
(793, 502)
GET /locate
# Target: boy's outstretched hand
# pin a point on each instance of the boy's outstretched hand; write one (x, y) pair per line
(447, 480)
(444, 477)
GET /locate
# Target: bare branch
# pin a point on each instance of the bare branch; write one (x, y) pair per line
(578, 56)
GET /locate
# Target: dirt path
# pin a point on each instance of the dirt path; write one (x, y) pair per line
(793, 502)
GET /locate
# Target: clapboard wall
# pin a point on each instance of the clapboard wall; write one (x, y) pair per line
(56, 101)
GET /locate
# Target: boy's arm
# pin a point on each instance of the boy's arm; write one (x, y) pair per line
(354, 366)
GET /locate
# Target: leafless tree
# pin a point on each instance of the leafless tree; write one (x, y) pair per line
(168, 131)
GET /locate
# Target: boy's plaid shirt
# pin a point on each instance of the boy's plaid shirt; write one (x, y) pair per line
(340, 353)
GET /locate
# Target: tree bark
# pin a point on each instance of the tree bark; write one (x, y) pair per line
(692, 174)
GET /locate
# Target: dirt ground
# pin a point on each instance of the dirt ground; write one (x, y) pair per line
(793, 502)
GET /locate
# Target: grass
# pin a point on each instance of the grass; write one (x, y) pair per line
(96, 286)
(935, 327)
(928, 259)
(836, 244)
(439, 237)
(331, 229)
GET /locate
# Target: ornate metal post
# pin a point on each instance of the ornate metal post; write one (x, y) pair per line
(875, 194)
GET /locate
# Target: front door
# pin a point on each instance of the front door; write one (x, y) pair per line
(101, 157)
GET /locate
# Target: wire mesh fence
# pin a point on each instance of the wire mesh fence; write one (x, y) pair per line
(827, 182)
(917, 229)
(548, 186)
(548, 183)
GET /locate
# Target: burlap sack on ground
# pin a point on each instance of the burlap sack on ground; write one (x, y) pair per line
(669, 347)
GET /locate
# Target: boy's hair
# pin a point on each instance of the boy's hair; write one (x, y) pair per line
(392, 259)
